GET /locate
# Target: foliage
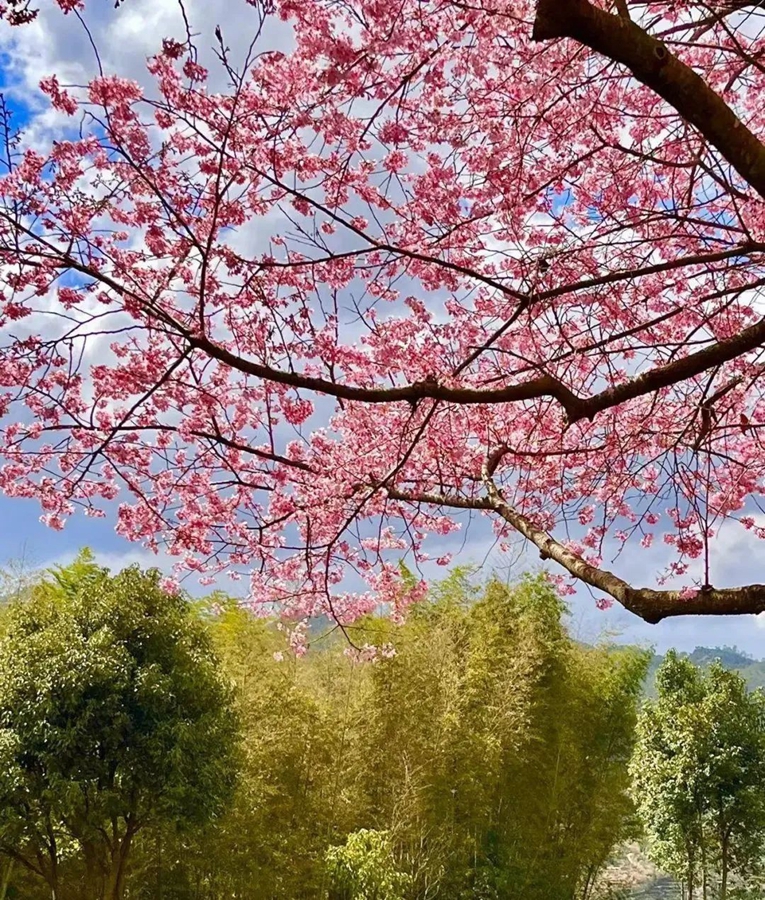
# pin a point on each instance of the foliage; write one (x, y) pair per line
(114, 718)
(309, 301)
(698, 773)
(483, 755)
(364, 868)
(490, 750)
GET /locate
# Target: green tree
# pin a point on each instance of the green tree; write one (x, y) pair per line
(667, 771)
(113, 717)
(364, 868)
(698, 774)
(735, 774)
(494, 748)
(293, 790)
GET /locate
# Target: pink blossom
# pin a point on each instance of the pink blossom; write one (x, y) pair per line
(61, 99)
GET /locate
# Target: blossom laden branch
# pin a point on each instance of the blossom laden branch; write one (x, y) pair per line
(650, 604)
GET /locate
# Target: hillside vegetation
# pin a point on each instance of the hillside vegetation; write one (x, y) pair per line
(752, 670)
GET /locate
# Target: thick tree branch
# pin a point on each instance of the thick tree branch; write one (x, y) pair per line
(453, 501)
(672, 373)
(651, 63)
(544, 386)
(651, 605)
(577, 408)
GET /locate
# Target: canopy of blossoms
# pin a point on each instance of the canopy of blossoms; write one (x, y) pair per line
(433, 257)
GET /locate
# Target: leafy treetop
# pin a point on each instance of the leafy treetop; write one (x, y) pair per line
(113, 717)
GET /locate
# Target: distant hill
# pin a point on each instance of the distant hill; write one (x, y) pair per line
(753, 670)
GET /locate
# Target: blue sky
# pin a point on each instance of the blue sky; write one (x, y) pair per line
(125, 37)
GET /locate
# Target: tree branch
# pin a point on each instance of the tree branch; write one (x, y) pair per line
(651, 605)
(577, 408)
(649, 60)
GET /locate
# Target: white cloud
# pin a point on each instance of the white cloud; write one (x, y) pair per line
(123, 38)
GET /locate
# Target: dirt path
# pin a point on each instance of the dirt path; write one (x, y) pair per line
(634, 877)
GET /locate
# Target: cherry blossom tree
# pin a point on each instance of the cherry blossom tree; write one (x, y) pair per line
(306, 310)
